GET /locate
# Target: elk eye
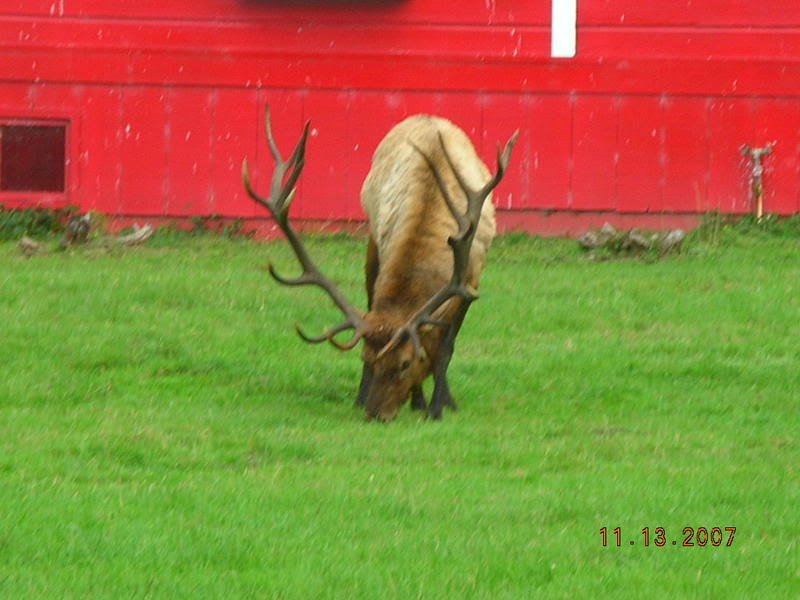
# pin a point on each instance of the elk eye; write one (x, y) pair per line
(405, 364)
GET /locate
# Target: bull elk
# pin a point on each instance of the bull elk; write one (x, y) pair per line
(430, 228)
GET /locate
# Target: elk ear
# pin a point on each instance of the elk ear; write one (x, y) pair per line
(401, 337)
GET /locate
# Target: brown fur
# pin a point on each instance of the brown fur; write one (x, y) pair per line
(409, 259)
(417, 298)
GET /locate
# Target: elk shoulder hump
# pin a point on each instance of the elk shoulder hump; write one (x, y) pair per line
(401, 197)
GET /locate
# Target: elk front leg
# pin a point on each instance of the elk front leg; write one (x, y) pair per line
(363, 388)
(441, 389)
(371, 269)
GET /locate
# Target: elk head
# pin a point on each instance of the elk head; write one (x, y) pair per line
(402, 345)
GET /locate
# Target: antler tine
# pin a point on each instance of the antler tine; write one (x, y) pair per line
(273, 147)
(460, 243)
(423, 316)
(451, 205)
(282, 190)
(470, 194)
(476, 198)
(330, 336)
(248, 186)
(283, 187)
(502, 160)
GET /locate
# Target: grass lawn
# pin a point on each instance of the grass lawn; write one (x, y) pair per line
(164, 433)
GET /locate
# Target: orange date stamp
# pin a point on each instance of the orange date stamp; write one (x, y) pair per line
(658, 536)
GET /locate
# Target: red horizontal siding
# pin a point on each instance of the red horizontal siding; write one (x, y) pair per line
(165, 98)
(386, 11)
(595, 153)
(430, 41)
(639, 60)
(681, 77)
(694, 13)
(177, 151)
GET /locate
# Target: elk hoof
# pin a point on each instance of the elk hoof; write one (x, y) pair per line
(435, 412)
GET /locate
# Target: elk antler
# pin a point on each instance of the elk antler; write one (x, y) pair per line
(460, 243)
(281, 193)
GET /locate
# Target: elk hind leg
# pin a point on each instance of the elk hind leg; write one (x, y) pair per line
(418, 398)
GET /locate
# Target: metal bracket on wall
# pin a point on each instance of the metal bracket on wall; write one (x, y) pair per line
(757, 174)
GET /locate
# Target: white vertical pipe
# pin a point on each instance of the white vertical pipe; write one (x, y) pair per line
(563, 27)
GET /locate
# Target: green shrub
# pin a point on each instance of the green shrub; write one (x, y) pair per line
(33, 222)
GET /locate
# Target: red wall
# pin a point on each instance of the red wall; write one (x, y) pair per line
(165, 97)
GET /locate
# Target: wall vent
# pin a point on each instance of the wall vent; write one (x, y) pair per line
(32, 157)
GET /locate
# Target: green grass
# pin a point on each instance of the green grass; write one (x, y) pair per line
(164, 433)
